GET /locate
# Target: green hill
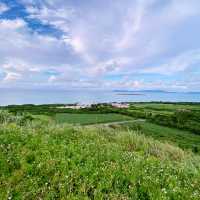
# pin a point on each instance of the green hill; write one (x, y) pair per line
(39, 160)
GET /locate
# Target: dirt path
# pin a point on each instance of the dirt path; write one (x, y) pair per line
(117, 123)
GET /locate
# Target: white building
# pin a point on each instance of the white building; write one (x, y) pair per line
(120, 105)
(77, 106)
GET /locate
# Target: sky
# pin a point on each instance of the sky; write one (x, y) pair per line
(100, 44)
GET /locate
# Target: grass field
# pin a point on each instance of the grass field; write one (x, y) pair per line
(84, 119)
(165, 106)
(44, 118)
(64, 162)
(183, 139)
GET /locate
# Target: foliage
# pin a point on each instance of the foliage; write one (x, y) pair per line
(184, 139)
(64, 162)
(85, 119)
(184, 116)
(177, 115)
(7, 117)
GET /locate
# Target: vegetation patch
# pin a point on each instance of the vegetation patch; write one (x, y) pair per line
(184, 139)
(84, 119)
(64, 162)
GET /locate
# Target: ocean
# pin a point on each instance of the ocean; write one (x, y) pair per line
(19, 96)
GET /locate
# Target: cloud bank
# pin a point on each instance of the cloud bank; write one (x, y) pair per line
(131, 44)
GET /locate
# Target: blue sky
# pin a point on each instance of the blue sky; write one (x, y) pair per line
(107, 44)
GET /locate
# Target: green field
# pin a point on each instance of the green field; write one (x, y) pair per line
(44, 118)
(84, 119)
(166, 106)
(46, 156)
(65, 162)
(183, 139)
(177, 123)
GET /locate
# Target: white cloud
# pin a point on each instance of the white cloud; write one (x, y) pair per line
(52, 78)
(98, 40)
(3, 8)
(179, 10)
(6, 24)
(112, 66)
(132, 24)
(15, 65)
(56, 17)
(11, 76)
(25, 55)
(179, 63)
(139, 31)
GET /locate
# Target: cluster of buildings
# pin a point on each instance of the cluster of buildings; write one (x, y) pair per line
(120, 105)
(77, 106)
(80, 106)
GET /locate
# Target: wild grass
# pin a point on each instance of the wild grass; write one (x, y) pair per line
(66, 162)
(84, 119)
(166, 106)
(184, 139)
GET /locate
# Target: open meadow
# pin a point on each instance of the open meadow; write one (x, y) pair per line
(60, 161)
(127, 153)
(85, 119)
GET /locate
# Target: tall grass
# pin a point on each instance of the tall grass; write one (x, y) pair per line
(65, 162)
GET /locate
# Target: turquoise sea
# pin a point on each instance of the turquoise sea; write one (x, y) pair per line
(19, 96)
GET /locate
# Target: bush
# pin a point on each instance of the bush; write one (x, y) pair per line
(20, 119)
(182, 116)
(5, 117)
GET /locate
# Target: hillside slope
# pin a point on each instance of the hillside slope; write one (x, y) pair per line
(40, 161)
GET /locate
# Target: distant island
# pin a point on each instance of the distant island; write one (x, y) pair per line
(136, 94)
(141, 91)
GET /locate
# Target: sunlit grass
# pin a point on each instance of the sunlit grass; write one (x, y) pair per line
(85, 119)
(181, 138)
(65, 162)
